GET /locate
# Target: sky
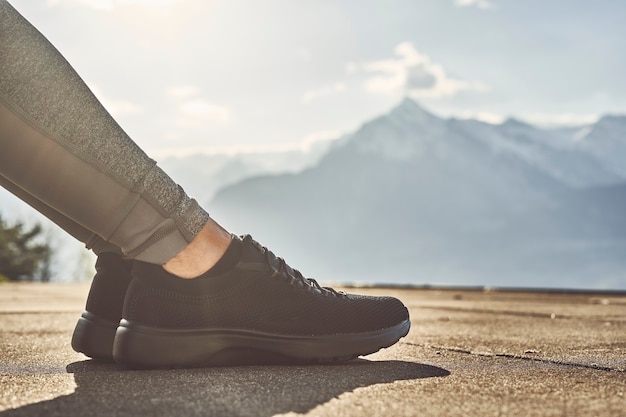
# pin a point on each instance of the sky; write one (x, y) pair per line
(188, 76)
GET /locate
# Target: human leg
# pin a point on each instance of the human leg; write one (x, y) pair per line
(98, 245)
(63, 148)
(66, 151)
(63, 154)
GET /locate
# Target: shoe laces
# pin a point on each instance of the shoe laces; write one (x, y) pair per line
(279, 267)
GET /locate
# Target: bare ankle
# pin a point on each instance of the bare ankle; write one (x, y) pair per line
(201, 254)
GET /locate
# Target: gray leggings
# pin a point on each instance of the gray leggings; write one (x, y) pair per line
(62, 153)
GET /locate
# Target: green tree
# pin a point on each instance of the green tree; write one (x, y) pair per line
(22, 256)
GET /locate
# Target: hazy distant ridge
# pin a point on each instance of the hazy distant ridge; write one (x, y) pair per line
(411, 197)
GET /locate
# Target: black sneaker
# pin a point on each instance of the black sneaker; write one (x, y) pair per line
(261, 308)
(95, 330)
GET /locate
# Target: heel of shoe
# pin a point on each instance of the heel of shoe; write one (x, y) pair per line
(138, 346)
(94, 337)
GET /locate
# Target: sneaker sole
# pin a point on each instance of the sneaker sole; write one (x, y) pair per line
(150, 347)
(94, 337)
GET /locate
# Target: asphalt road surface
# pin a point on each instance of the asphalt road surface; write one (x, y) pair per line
(469, 353)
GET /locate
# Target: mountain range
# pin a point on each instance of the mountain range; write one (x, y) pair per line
(414, 198)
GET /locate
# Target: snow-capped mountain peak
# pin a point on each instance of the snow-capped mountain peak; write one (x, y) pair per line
(406, 132)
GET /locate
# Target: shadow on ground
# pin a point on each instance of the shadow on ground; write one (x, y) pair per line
(106, 389)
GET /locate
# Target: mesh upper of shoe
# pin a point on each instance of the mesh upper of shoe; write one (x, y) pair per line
(262, 293)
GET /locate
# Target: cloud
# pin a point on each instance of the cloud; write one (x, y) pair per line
(111, 4)
(481, 4)
(197, 112)
(326, 90)
(306, 144)
(308, 141)
(419, 78)
(182, 91)
(560, 119)
(483, 116)
(412, 73)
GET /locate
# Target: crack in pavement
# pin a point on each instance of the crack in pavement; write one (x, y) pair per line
(519, 357)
